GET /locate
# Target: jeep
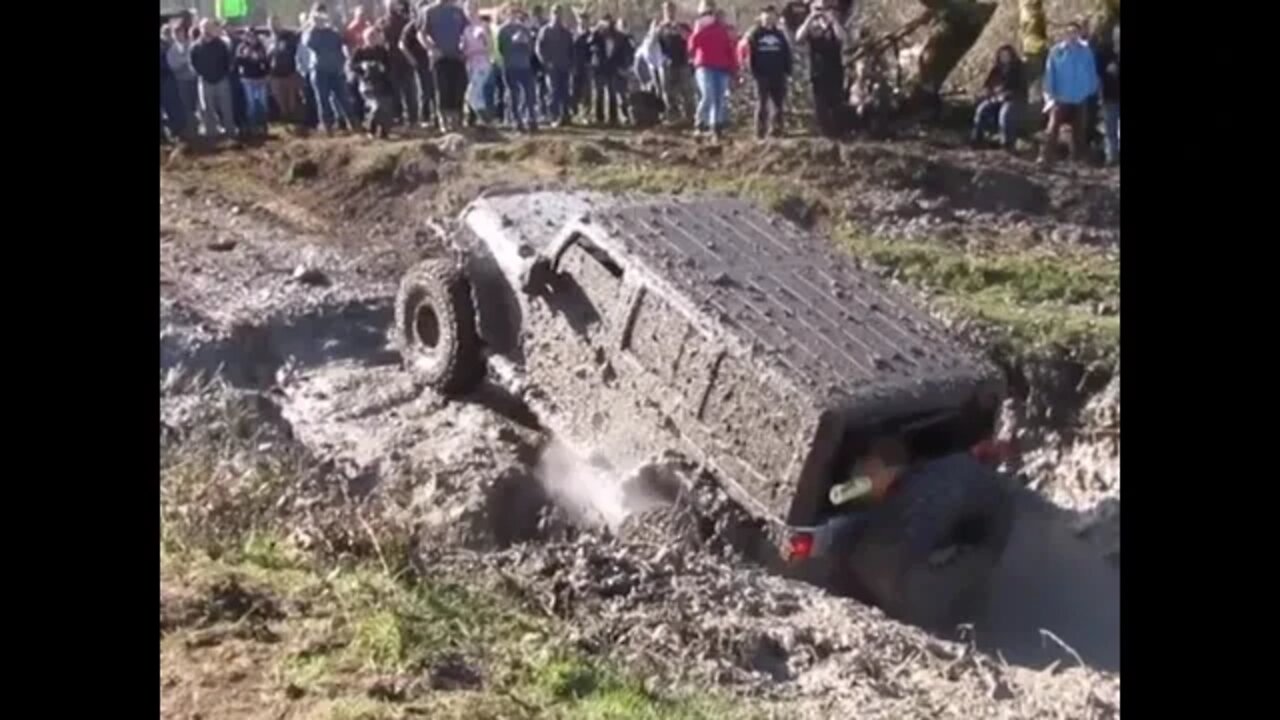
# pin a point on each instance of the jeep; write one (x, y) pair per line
(826, 402)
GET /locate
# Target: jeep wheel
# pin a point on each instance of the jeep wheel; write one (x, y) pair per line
(436, 328)
(928, 552)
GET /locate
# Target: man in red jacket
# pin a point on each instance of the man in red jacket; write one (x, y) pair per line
(715, 61)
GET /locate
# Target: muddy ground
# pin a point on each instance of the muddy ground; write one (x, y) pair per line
(278, 266)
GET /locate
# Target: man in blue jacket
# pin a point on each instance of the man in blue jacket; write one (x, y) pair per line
(1070, 82)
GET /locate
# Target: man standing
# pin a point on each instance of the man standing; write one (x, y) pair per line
(370, 64)
(515, 45)
(555, 50)
(826, 37)
(410, 43)
(1108, 62)
(286, 84)
(253, 64)
(404, 79)
(477, 52)
(211, 58)
(353, 38)
(328, 73)
(171, 109)
(178, 56)
(306, 67)
(1070, 79)
(769, 59)
(445, 23)
(676, 76)
(608, 54)
(582, 55)
(715, 60)
(536, 23)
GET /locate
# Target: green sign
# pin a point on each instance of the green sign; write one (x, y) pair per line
(232, 9)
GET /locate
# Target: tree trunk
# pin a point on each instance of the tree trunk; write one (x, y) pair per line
(951, 34)
(1033, 31)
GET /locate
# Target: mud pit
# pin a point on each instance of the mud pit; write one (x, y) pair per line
(689, 601)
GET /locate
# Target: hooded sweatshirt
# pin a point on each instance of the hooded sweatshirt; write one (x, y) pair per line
(712, 47)
(327, 46)
(179, 59)
(1070, 74)
(211, 58)
(769, 52)
(251, 61)
(477, 46)
(515, 44)
(555, 46)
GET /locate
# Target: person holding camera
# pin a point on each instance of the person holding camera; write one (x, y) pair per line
(826, 37)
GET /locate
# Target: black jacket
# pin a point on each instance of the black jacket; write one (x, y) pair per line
(674, 41)
(372, 65)
(282, 52)
(252, 61)
(393, 27)
(770, 52)
(211, 60)
(611, 51)
(826, 53)
(582, 51)
(1104, 58)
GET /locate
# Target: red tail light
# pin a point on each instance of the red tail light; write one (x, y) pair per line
(992, 451)
(800, 546)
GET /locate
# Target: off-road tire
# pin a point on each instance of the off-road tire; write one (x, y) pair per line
(435, 330)
(953, 506)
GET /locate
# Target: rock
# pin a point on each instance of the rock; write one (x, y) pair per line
(453, 143)
(453, 672)
(588, 154)
(222, 245)
(310, 276)
(302, 170)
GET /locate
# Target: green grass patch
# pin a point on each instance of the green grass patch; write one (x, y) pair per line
(1016, 277)
(228, 570)
(1035, 298)
(764, 189)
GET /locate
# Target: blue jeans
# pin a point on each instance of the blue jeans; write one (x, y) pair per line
(255, 96)
(175, 113)
(495, 93)
(995, 113)
(331, 97)
(521, 90)
(1111, 130)
(559, 81)
(713, 90)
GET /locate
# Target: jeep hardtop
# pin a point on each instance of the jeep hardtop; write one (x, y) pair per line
(640, 323)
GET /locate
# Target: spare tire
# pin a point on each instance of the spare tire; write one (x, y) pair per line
(927, 552)
(436, 328)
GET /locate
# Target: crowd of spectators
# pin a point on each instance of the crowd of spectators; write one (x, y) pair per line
(443, 64)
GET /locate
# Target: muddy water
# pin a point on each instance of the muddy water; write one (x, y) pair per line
(1052, 584)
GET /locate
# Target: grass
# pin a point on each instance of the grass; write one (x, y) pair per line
(345, 627)
(1037, 300)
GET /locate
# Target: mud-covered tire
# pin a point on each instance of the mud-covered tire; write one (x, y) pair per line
(435, 328)
(928, 551)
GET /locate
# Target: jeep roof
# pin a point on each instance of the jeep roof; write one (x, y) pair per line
(793, 301)
(806, 333)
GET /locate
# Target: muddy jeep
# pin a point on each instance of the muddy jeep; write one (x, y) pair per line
(638, 324)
